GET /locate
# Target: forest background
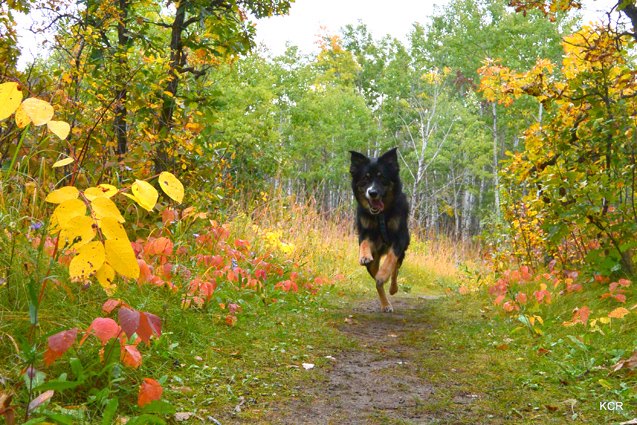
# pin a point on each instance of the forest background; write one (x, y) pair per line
(515, 126)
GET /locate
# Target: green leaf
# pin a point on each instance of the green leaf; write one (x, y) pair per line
(159, 407)
(146, 419)
(57, 385)
(108, 416)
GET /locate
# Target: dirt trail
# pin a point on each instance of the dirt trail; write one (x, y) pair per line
(379, 381)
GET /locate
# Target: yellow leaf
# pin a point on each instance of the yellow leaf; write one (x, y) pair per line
(604, 320)
(618, 313)
(65, 212)
(145, 194)
(80, 231)
(121, 257)
(38, 110)
(10, 98)
(62, 194)
(21, 118)
(63, 162)
(106, 276)
(101, 191)
(171, 186)
(59, 128)
(112, 229)
(88, 261)
(104, 207)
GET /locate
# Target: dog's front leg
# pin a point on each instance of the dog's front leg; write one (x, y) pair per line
(387, 268)
(365, 252)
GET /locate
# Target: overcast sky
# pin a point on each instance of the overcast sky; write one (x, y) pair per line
(307, 19)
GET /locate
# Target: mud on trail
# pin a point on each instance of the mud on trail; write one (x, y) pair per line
(382, 379)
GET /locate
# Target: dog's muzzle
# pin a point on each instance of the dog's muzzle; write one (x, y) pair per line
(376, 204)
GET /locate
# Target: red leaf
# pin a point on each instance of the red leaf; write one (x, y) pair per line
(128, 320)
(110, 305)
(620, 297)
(145, 325)
(6, 409)
(58, 344)
(150, 390)
(131, 356)
(580, 315)
(231, 320)
(105, 329)
(149, 325)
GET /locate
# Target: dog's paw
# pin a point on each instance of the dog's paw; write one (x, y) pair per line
(387, 309)
(393, 288)
(364, 260)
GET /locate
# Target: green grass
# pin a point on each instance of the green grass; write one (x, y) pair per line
(486, 366)
(560, 377)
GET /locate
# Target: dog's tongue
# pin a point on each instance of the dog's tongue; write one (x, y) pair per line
(377, 204)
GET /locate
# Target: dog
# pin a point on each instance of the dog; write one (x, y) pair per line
(381, 218)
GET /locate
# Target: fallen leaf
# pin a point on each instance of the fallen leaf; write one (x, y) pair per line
(39, 400)
(629, 363)
(183, 416)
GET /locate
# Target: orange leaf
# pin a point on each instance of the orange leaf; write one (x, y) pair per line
(131, 356)
(150, 390)
(618, 313)
(110, 305)
(580, 315)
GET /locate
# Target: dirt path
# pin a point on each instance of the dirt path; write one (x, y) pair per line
(381, 380)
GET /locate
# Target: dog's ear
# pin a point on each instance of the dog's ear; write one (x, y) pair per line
(390, 158)
(358, 160)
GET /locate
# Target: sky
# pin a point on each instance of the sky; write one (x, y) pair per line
(309, 18)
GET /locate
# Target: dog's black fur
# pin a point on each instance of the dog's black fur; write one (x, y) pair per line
(381, 218)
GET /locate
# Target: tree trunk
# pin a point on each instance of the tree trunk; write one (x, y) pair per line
(121, 94)
(177, 61)
(496, 177)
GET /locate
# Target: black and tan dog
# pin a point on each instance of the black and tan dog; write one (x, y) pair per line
(381, 218)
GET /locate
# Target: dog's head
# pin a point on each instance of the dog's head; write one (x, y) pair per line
(375, 180)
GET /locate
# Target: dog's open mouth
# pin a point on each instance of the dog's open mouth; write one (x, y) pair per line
(376, 206)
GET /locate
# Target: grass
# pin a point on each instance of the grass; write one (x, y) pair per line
(514, 377)
(486, 366)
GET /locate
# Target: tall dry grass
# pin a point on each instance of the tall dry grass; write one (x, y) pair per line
(328, 244)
